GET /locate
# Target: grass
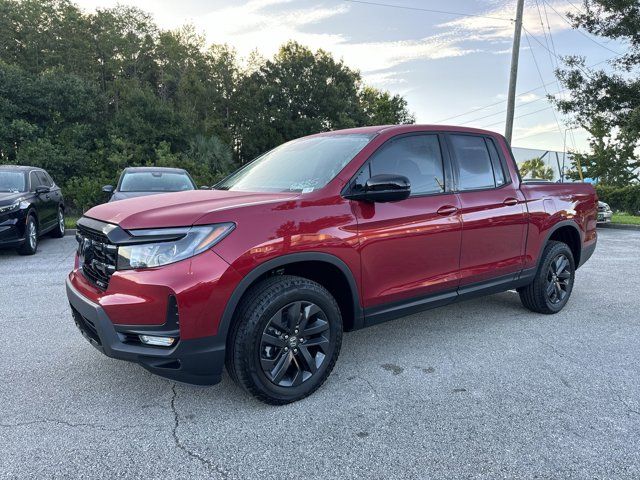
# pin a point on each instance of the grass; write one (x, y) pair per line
(70, 222)
(625, 218)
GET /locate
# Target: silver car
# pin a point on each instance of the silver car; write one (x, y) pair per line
(604, 212)
(143, 181)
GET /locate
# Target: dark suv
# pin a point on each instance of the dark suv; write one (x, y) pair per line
(327, 233)
(31, 205)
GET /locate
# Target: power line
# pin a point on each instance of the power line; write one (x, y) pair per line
(535, 61)
(501, 111)
(580, 31)
(420, 9)
(552, 57)
(517, 116)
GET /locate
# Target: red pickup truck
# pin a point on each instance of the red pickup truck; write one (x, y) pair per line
(323, 234)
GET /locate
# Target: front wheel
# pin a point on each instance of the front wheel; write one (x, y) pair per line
(30, 245)
(285, 340)
(551, 287)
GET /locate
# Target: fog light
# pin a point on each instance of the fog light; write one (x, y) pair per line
(158, 341)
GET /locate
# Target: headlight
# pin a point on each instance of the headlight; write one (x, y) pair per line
(10, 208)
(169, 245)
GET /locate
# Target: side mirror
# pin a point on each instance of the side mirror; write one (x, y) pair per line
(107, 189)
(383, 188)
(40, 190)
(205, 187)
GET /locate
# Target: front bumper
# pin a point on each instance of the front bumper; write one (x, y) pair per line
(12, 230)
(198, 361)
(605, 216)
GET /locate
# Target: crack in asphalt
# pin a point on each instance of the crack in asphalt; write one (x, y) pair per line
(176, 423)
(617, 396)
(60, 422)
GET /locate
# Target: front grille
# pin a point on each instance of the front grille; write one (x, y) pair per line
(98, 256)
(601, 208)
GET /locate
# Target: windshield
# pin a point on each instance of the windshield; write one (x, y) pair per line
(302, 165)
(11, 181)
(156, 182)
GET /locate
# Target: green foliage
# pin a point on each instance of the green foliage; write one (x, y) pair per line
(536, 168)
(87, 192)
(605, 104)
(623, 199)
(85, 95)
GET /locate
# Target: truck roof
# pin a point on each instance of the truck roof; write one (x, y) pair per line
(376, 129)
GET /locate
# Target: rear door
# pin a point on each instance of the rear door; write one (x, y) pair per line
(409, 249)
(492, 209)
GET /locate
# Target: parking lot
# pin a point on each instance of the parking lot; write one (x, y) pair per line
(482, 389)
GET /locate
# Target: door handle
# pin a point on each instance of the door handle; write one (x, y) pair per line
(447, 210)
(511, 201)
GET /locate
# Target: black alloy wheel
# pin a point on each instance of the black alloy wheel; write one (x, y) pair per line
(558, 279)
(285, 339)
(294, 344)
(551, 287)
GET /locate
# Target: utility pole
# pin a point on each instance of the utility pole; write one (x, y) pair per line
(513, 76)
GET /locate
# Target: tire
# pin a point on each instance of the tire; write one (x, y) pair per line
(30, 245)
(285, 339)
(551, 287)
(58, 231)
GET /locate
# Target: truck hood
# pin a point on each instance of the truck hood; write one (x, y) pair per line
(178, 209)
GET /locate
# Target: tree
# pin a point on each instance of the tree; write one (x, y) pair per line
(85, 95)
(536, 168)
(607, 105)
(381, 108)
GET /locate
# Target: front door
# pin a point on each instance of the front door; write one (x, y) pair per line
(409, 249)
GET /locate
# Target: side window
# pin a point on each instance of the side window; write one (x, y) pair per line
(44, 180)
(497, 164)
(474, 163)
(35, 180)
(417, 157)
(50, 181)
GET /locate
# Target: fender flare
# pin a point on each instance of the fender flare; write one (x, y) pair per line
(247, 281)
(552, 230)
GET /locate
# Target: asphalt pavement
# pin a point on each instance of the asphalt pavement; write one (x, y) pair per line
(482, 389)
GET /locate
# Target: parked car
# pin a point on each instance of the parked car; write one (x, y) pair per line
(327, 233)
(604, 213)
(143, 181)
(31, 205)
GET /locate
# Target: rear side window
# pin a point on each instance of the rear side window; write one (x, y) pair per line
(475, 170)
(497, 165)
(417, 157)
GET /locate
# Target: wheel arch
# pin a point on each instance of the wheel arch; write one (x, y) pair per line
(326, 269)
(566, 232)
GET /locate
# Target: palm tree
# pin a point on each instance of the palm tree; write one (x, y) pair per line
(536, 168)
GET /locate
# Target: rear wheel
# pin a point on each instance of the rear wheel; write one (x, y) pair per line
(286, 339)
(551, 288)
(58, 231)
(30, 245)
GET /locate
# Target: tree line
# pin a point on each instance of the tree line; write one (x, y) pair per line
(85, 94)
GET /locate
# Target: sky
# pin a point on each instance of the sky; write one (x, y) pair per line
(452, 68)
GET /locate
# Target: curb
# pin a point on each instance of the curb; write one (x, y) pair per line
(619, 226)
(69, 232)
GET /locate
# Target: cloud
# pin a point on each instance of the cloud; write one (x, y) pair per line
(491, 29)
(539, 129)
(267, 24)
